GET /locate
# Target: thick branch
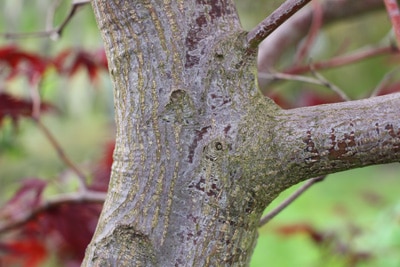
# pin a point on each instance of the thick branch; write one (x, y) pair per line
(329, 138)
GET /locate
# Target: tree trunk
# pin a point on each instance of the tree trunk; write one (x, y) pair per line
(199, 151)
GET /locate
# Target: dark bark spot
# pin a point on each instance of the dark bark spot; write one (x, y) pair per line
(395, 142)
(377, 128)
(193, 218)
(202, 27)
(179, 262)
(218, 8)
(216, 101)
(227, 128)
(212, 190)
(340, 147)
(310, 148)
(390, 129)
(198, 137)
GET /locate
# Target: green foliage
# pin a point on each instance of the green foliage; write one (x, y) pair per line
(357, 210)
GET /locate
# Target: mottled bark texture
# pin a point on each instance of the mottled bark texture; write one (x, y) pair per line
(199, 151)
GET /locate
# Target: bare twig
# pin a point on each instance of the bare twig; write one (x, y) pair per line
(394, 14)
(51, 14)
(289, 200)
(356, 56)
(330, 85)
(289, 77)
(54, 32)
(316, 25)
(70, 198)
(61, 154)
(384, 82)
(273, 21)
(36, 101)
(319, 80)
(294, 29)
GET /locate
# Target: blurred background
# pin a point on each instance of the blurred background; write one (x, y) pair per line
(349, 219)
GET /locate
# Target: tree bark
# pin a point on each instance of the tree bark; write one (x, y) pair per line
(199, 151)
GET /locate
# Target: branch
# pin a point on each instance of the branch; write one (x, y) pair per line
(324, 139)
(293, 30)
(315, 28)
(330, 85)
(273, 21)
(394, 14)
(86, 197)
(264, 220)
(54, 32)
(384, 82)
(61, 154)
(319, 80)
(353, 57)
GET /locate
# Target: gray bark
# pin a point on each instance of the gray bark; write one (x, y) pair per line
(199, 151)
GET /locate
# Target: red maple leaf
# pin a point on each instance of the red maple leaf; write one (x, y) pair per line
(20, 62)
(27, 198)
(16, 108)
(69, 61)
(25, 252)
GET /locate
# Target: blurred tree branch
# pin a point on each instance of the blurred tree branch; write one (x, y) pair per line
(294, 29)
(52, 32)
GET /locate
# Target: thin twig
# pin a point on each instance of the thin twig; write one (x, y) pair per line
(273, 21)
(315, 27)
(51, 12)
(356, 56)
(61, 153)
(330, 85)
(70, 198)
(289, 200)
(319, 80)
(384, 82)
(35, 96)
(394, 14)
(54, 32)
(289, 77)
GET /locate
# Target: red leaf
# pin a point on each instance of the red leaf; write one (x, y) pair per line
(27, 197)
(19, 62)
(27, 253)
(60, 61)
(72, 225)
(92, 62)
(17, 108)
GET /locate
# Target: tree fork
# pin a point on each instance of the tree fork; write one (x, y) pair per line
(199, 151)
